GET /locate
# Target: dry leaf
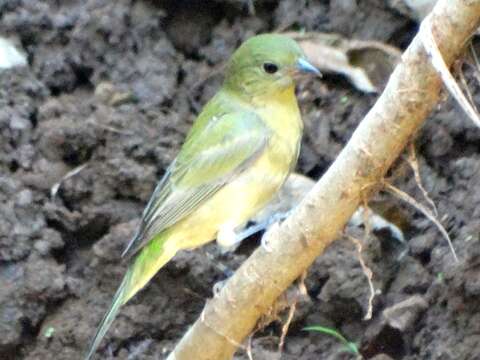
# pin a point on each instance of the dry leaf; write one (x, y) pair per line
(367, 64)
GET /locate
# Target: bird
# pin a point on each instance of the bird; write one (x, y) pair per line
(236, 156)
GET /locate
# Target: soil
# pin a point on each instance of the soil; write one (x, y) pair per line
(111, 90)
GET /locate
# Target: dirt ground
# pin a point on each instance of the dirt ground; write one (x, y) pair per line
(111, 90)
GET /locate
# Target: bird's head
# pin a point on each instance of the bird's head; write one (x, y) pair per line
(265, 64)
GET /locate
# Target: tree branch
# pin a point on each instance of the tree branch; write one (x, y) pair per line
(410, 95)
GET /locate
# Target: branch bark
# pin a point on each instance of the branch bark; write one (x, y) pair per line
(410, 95)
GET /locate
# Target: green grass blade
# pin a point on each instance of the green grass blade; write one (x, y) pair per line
(351, 346)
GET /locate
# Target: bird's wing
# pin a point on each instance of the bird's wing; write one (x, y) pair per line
(207, 161)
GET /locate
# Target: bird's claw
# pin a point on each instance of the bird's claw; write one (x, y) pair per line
(265, 245)
(219, 285)
(228, 239)
(265, 237)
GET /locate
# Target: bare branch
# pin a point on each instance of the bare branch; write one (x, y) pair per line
(413, 162)
(368, 274)
(425, 211)
(476, 62)
(291, 311)
(71, 173)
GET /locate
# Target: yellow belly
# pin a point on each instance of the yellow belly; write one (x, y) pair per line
(234, 204)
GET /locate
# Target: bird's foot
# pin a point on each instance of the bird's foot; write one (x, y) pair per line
(265, 237)
(218, 287)
(228, 239)
(274, 221)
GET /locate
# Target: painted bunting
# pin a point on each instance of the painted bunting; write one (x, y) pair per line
(237, 155)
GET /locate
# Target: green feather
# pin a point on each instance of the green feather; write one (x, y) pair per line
(218, 152)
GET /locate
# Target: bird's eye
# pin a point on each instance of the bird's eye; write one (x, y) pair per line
(270, 68)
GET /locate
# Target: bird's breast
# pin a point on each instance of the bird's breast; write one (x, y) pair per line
(283, 118)
(272, 168)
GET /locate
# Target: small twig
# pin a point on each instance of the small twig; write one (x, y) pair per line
(56, 186)
(424, 210)
(366, 218)
(438, 63)
(249, 347)
(368, 274)
(476, 68)
(413, 162)
(291, 311)
(193, 293)
(110, 128)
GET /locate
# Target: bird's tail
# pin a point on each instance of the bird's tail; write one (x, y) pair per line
(146, 264)
(118, 301)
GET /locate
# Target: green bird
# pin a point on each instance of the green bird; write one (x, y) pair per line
(237, 155)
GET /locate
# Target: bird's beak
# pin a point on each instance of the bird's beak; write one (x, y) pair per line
(305, 67)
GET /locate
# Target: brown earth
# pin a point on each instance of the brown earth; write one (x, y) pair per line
(115, 86)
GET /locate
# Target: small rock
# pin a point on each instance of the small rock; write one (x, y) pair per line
(25, 156)
(105, 91)
(120, 98)
(42, 247)
(10, 56)
(19, 123)
(403, 315)
(24, 198)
